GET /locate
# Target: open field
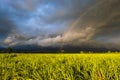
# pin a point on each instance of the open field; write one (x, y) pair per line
(60, 66)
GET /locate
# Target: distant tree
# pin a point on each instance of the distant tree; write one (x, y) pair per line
(62, 51)
(9, 49)
(81, 52)
(90, 52)
(109, 51)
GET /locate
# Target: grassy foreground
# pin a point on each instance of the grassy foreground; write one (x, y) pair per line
(60, 67)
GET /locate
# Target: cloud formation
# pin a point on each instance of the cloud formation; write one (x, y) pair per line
(60, 22)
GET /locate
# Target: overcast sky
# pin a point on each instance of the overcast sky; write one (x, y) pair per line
(60, 22)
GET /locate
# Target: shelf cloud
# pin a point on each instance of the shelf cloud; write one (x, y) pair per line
(60, 22)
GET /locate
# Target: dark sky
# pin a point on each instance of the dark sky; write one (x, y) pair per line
(60, 22)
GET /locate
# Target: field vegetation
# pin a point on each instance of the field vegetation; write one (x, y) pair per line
(60, 66)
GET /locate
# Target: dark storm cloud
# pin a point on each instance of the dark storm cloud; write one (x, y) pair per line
(6, 24)
(74, 22)
(100, 24)
(39, 17)
(109, 21)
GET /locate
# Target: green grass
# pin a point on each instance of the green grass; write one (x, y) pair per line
(60, 66)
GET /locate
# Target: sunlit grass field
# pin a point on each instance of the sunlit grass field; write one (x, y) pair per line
(60, 66)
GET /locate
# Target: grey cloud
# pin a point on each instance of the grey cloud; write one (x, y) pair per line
(98, 25)
(25, 5)
(6, 25)
(85, 22)
(103, 18)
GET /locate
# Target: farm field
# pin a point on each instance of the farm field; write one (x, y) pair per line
(60, 66)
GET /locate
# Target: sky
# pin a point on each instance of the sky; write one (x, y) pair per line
(60, 22)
